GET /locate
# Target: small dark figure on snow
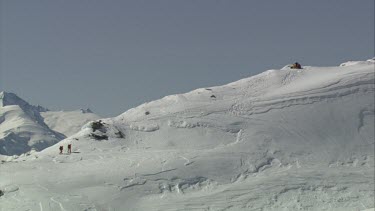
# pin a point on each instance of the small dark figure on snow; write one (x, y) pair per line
(61, 149)
(296, 66)
(69, 148)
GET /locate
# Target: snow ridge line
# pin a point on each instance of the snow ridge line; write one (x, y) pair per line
(261, 107)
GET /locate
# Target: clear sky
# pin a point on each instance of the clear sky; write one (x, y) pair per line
(112, 55)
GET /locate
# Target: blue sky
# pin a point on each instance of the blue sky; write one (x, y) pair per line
(112, 55)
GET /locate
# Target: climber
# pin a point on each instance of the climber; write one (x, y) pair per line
(69, 148)
(61, 149)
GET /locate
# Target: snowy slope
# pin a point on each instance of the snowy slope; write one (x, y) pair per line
(68, 122)
(281, 140)
(24, 127)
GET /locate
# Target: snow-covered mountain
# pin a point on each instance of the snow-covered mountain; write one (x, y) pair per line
(24, 127)
(282, 140)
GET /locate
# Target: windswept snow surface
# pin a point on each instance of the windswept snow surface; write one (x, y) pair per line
(281, 140)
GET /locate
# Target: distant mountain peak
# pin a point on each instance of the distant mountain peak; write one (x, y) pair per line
(87, 110)
(8, 98)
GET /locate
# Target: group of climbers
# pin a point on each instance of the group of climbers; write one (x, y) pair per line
(69, 149)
